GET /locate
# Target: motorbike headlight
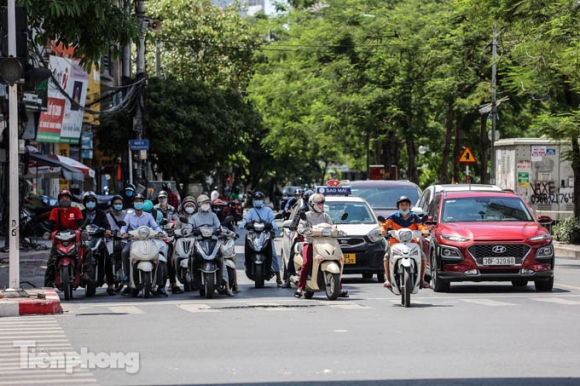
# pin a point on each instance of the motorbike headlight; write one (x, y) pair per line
(456, 238)
(259, 227)
(326, 232)
(143, 232)
(542, 237)
(375, 235)
(206, 231)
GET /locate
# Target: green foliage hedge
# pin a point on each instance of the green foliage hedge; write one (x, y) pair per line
(568, 230)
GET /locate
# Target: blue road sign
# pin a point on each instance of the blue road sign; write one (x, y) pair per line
(139, 144)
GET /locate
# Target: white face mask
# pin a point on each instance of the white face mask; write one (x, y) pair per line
(189, 210)
(163, 201)
(205, 207)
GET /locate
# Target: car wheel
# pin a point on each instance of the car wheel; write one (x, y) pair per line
(381, 277)
(545, 285)
(519, 283)
(438, 284)
(367, 275)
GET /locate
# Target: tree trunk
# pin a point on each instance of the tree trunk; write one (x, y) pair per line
(412, 172)
(456, 151)
(446, 147)
(483, 140)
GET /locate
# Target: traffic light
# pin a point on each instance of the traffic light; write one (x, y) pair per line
(21, 33)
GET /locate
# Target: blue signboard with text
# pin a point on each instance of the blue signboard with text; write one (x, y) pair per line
(139, 144)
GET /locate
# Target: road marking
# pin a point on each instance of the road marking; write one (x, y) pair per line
(488, 302)
(197, 308)
(348, 306)
(125, 310)
(557, 301)
(566, 286)
(47, 382)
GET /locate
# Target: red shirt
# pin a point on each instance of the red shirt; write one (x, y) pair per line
(172, 199)
(66, 218)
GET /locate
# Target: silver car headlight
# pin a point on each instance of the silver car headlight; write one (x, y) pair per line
(542, 237)
(545, 252)
(450, 253)
(375, 235)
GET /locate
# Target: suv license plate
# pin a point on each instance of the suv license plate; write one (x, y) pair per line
(349, 258)
(499, 260)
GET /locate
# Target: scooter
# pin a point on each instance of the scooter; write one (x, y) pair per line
(227, 241)
(115, 246)
(205, 265)
(405, 264)
(144, 256)
(69, 260)
(183, 253)
(327, 264)
(258, 252)
(96, 241)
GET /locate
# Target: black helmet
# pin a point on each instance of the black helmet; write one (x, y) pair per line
(403, 198)
(130, 186)
(138, 196)
(117, 197)
(89, 196)
(259, 196)
(306, 195)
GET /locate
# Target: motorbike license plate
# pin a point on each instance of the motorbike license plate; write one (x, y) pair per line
(349, 258)
(499, 260)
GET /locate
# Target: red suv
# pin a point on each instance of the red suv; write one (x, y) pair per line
(487, 236)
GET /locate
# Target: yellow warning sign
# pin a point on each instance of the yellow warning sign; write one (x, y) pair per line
(467, 156)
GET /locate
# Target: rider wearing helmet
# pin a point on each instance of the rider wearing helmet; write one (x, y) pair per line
(261, 212)
(403, 218)
(98, 217)
(128, 195)
(117, 213)
(61, 218)
(291, 202)
(167, 211)
(205, 216)
(219, 207)
(187, 209)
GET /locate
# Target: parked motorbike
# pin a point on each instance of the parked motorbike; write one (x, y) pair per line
(258, 252)
(144, 256)
(327, 264)
(405, 264)
(69, 260)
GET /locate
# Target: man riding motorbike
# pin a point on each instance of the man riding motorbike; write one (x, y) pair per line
(98, 217)
(261, 212)
(205, 216)
(403, 218)
(128, 194)
(168, 211)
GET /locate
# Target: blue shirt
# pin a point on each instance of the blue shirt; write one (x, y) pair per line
(134, 221)
(264, 214)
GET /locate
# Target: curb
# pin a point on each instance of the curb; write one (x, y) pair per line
(567, 251)
(20, 307)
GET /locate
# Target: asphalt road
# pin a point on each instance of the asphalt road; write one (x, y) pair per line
(478, 334)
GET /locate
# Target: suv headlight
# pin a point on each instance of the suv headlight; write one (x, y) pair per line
(545, 252)
(542, 237)
(375, 235)
(456, 238)
(450, 253)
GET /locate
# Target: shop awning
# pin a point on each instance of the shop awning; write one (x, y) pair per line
(87, 171)
(49, 166)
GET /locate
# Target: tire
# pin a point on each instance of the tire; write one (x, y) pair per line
(134, 292)
(367, 275)
(332, 285)
(408, 283)
(91, 289)
(208, 285)
(146, 284)
(438, 284)
(186, 287)
(259, 276)
(519, 283)
(231, 276)
(380, 277)
(308, 295)
(544, 285)
(66, 284)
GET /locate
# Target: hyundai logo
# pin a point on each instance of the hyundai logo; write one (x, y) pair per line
(499, 249)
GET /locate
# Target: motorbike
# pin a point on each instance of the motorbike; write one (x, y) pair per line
(227, 243)
(205, 265)
(69, 260)
(258, 252)
(115, 246)
(236, 210)
(405, 264)
(96, 241)
(144, 255)
(183, 253)
(327, 263)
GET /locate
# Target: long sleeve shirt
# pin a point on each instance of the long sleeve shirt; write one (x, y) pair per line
(264, 214)
(134, 221)
(312, 218)
(203, 218)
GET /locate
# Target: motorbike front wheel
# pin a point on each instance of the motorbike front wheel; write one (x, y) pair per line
(408, 283)
(208, 285)
(146, 284)
(259, 276)
(90, 289)
(332, 285)
(66, 284)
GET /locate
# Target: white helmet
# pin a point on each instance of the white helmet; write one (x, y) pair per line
(316, 202)
(204, 203)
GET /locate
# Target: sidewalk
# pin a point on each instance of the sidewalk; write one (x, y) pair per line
(570, 251)
(40, 301)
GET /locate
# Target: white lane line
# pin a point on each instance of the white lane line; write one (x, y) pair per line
(197, 308)
(348, 306)
(125, 310)
(488, 302)
(565, 302)
(46, 381)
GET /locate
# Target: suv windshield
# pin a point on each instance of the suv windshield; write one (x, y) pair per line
(472, 209)
(358, 212)
(385, 198)
(289, 190)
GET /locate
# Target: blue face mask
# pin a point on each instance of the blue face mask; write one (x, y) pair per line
(128, 193)
(138, 205)
(118, 206)
(405, 211)
(258, 203)
(91, 205)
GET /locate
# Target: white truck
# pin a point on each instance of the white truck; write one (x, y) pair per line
(536, 169)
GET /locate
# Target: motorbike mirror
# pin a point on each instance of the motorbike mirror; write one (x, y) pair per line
(228, 219)
(344, 216)
(183, 219)
(381, 219)
(163, 222)
(46, 236)
(121, 223)
(303, 216)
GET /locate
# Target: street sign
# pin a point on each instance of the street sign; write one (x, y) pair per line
(139, 144)
(467, 156)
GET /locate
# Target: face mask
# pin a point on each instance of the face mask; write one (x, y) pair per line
(318, 208)
(163, 201)
(405, 211)
(128, 193)
(258, 203)
(118, 207)
(138, 205)
(64, 203)
(189, 210)
(91, 205)
(205, 207)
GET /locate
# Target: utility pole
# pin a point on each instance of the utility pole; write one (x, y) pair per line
(493, 104)
(140, 75)
(126, 79)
